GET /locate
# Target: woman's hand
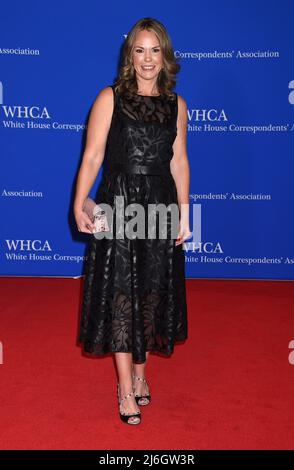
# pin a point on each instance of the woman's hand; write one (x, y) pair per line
(184, 231)
(83, 221)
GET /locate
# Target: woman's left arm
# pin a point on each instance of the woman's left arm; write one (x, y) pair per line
(180, 170)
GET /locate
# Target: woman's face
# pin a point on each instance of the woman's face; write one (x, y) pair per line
(147, 55)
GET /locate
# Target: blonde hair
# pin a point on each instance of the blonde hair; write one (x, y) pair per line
(126, 80)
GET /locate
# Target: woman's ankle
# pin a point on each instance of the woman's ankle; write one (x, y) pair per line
(125, 388)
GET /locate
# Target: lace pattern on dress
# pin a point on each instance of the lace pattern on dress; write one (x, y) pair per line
(147, 108)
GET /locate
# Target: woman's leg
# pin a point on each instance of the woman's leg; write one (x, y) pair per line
(139, 370)
(124, 368)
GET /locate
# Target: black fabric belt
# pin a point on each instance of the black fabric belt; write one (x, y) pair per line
(159, 169)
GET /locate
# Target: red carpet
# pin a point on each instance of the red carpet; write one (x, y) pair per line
(231, 385)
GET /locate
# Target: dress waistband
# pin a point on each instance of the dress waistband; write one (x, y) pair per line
(160, 169)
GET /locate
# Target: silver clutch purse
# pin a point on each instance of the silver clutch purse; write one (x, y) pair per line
(96, 214)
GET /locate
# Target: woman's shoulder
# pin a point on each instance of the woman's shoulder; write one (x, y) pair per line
(182, 102)
(104, 101)
(181, 98)
(106, 92)
(105, 95)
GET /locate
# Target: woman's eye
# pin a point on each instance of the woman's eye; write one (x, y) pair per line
(154, 50)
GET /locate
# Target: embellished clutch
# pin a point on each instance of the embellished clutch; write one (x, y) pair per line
(96, 214)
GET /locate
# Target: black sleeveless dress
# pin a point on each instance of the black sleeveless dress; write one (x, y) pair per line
(134, 295)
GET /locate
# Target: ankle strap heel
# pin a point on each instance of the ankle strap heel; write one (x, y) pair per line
(125, 417)
(145, 399)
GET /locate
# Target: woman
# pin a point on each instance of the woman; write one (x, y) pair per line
(134, 291)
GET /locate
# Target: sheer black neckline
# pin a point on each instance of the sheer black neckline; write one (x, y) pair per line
(136, 97)
(149, 96)
(147, 108)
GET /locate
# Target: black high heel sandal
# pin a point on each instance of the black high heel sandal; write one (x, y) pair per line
(126, 416)
(139, 398)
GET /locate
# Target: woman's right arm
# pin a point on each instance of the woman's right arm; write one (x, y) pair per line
(97, 133)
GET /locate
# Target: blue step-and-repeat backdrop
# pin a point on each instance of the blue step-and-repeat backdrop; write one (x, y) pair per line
(237, 77)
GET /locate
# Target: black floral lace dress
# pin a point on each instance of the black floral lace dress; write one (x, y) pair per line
(134, 296)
